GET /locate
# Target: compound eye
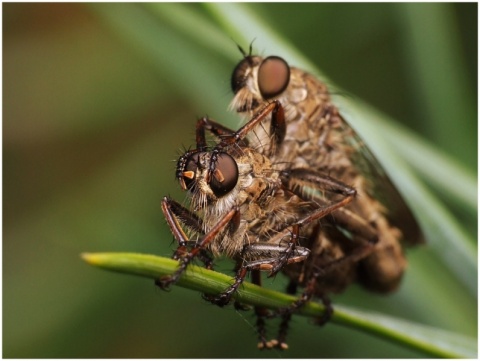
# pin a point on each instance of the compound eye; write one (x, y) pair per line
(189, 173)
(273, 76)
(225, 175)
(238, 75)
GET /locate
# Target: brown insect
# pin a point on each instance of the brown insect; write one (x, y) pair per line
(293, 190)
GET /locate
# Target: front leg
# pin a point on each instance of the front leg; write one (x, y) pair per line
(174, 214)
(217, 129)
(277, 127)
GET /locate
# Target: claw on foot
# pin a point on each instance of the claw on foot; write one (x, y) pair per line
(220, 300)
(165, 282)
(241, 307)
(280, 345)
(262, 345)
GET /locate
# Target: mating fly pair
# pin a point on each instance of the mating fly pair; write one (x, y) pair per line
(293, 190)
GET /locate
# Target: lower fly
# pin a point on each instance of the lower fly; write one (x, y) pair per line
(264, 215)
(293, 190)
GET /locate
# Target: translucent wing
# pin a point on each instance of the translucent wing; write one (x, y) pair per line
(381, 187)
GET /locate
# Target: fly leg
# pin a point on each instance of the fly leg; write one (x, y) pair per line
(229, 137)
(261, 313)
(364, 235)
(286, 313)
(295, 181)
(277, 127)
(259, 256)
(273, 257)
(174, 214)
(213, 127)
(306, 296)
(224, 298)
(280, 341)
(327, 313)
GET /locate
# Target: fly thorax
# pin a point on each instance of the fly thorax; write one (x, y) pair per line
(296, 91)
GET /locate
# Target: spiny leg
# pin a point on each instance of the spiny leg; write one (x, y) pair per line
(255, 258)
(327, 313)
(174, 212)
(299, 181)
(287, 254)
(278, 128)
(182, 254)
(358, 253)
(364, 249)
(229, 137)
(286, 313)
(306, 296)
(261, 313)
(217, 129)
(270, 256)
(224, 298)
(280, 341)
(294, 181)
(258, 256)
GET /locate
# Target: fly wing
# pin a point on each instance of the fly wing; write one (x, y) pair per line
(381, 188)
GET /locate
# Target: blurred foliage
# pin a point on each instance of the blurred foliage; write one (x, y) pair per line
(92, 122)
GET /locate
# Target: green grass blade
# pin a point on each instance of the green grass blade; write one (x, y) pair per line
(457, 89)
(433, 342)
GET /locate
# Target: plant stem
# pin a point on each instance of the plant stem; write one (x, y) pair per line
(434, 342)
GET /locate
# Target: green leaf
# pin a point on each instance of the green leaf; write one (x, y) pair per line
(434, 342)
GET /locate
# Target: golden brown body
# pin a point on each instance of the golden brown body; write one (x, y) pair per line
(318, 138)
(293, 190)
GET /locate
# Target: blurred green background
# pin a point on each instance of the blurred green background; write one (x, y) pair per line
(92, 125)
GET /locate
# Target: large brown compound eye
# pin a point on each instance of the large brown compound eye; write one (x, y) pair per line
(273, 76)
(225, 176)
(239, 74)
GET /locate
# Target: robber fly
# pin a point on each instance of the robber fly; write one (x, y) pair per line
(293, 190)
(365, 237)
